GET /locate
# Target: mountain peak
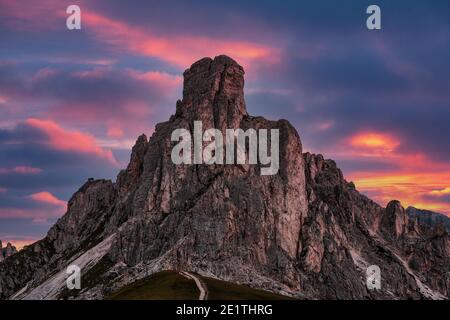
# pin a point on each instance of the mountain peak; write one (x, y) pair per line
(213, 92)
(304, 230)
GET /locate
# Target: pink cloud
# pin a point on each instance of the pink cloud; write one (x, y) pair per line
(47, 197)
(125, 111)
(21, 170)
(33, 16)
(65, 140)
(37, 214)
(3, 99)
(25, 170)
(180, 50)
(164, 81)
(324, 125)
(43, 74)
(3, 190)
(115, 131)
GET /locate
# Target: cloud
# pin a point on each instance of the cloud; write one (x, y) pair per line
(20, 170)
(374, 143)
(47, 197)
(176, 48)
(32, 16)
(64, 140)
(441, 192)
(36, 214)
(440, 195)
(40, 155)
(115, 131)
(38, 208)
(180, 50)
(126, 100)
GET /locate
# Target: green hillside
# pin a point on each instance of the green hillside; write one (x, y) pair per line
(222, 290)
(170, 285)
(165, 285)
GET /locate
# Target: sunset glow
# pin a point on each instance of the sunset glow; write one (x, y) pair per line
(375, 142)
(418, 189)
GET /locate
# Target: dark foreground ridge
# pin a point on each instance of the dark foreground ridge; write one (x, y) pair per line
(304, 232)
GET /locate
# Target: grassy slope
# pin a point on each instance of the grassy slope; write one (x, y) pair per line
(165, 285)
(169, 285)
(222, 290)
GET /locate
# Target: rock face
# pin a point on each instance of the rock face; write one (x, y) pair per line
(6, 252)
(430, 218)
(394, 220)
(304, 231)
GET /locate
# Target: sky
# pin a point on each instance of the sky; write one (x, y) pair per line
(72, 102)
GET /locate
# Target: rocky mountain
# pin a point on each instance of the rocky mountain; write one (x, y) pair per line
(430, 218)
(6, 252)
(304, 232)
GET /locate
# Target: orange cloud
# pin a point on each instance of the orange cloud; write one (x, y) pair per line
(179, 50)
(375, 142)
(64, 140)
(439, 193)
(47, 197)
(411, 188)
(419, 180)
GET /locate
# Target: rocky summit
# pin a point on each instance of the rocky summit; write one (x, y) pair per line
(304, 232)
